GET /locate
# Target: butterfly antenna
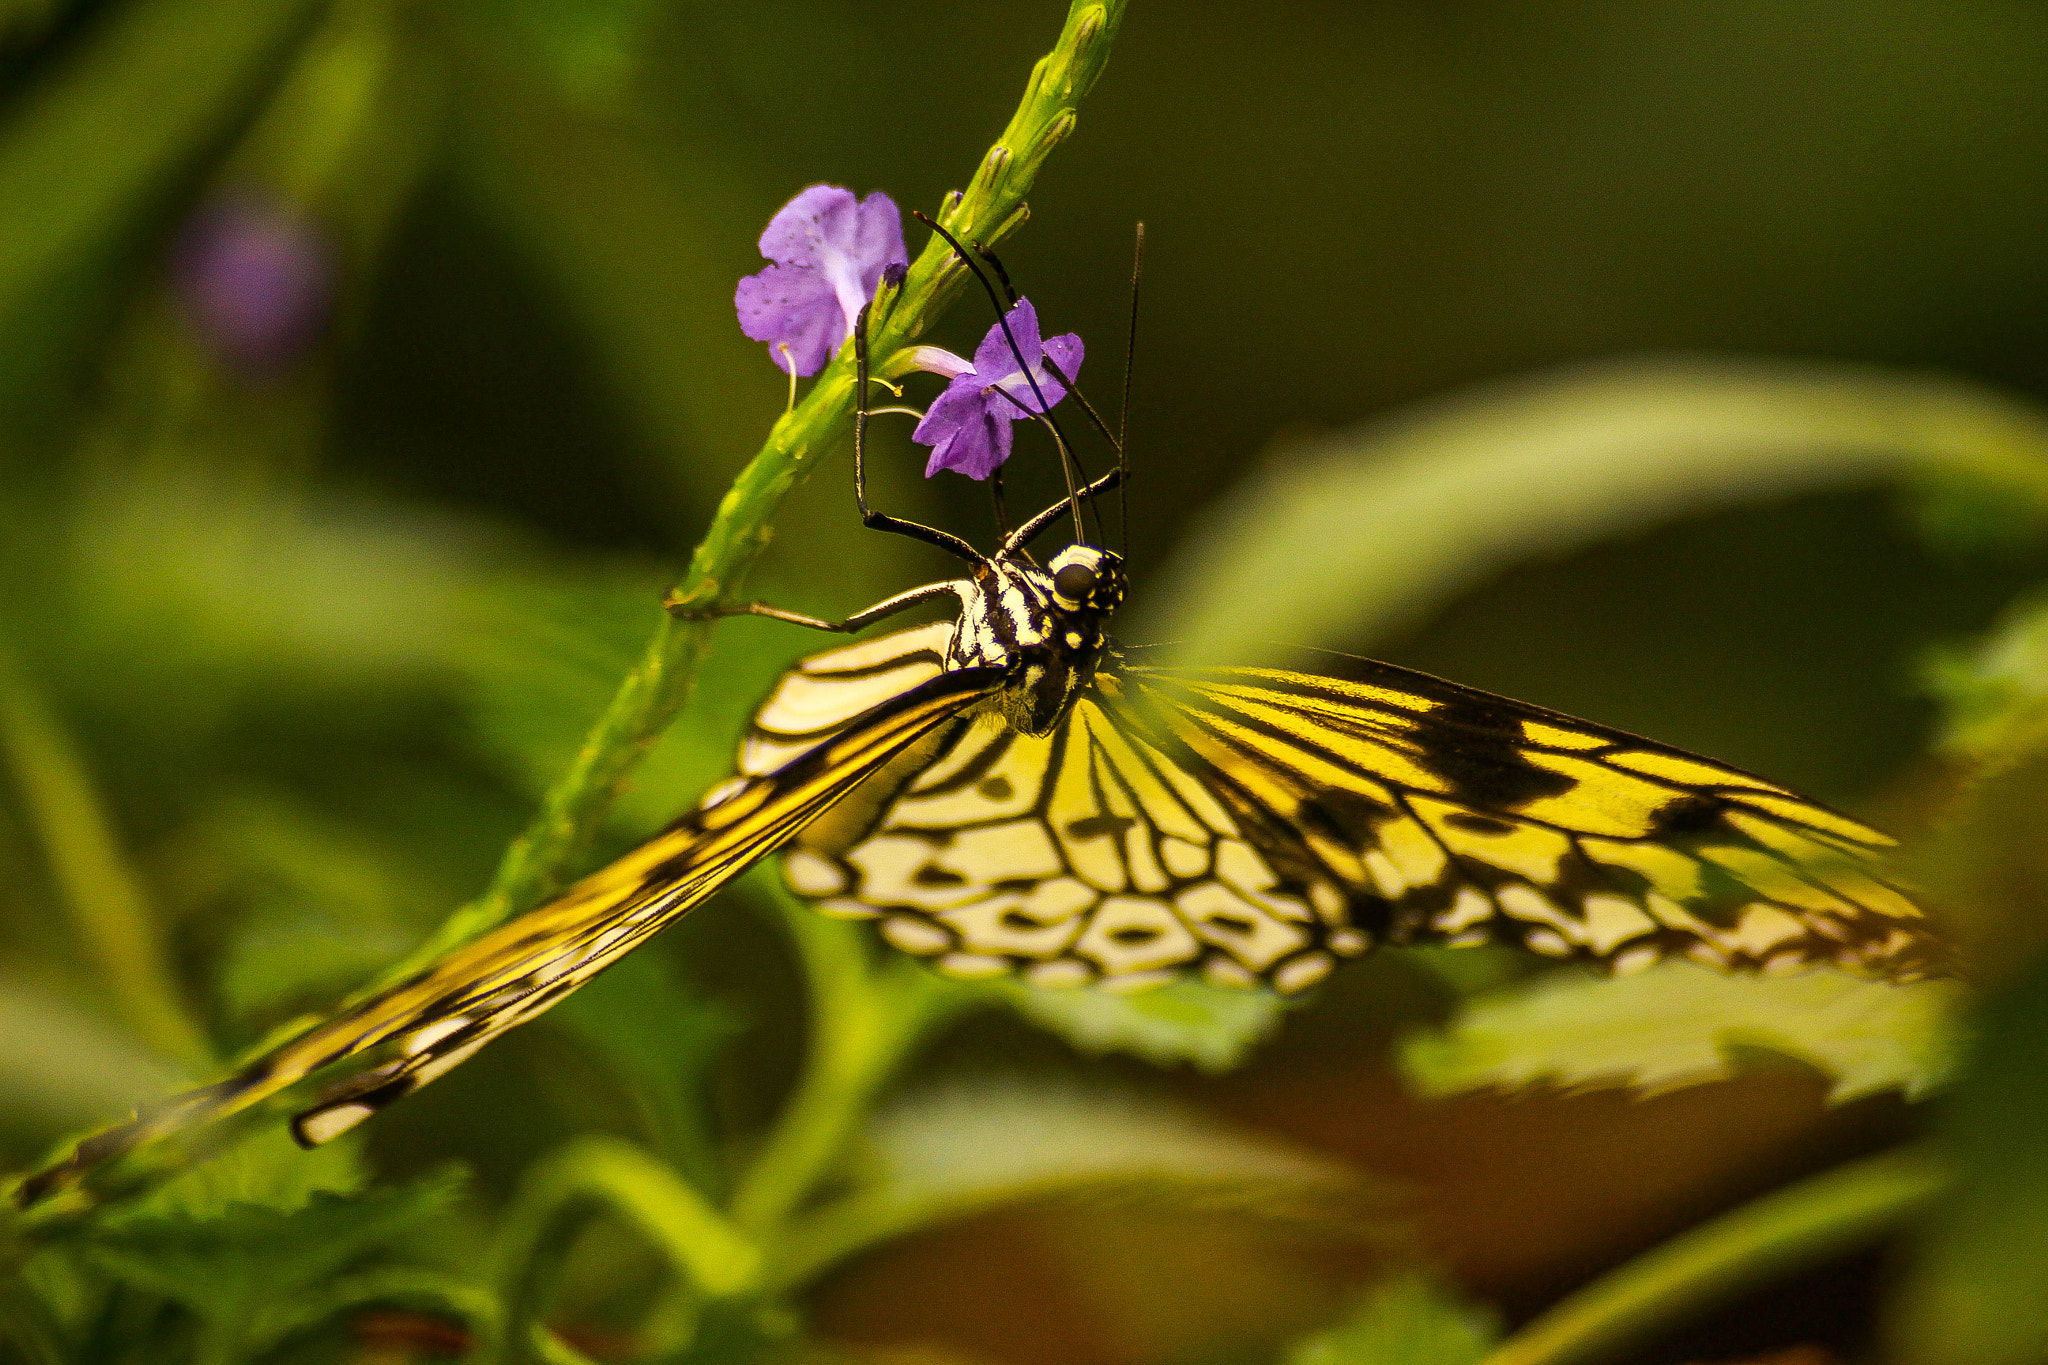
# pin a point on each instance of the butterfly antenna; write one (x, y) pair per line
(1002, 275)
(1044, 413)
(1095, 418)
(1123, 411)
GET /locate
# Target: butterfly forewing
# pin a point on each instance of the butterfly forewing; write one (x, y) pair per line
(434, 1021)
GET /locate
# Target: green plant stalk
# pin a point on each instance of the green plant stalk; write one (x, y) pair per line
(659, 686)
(589, 1175)
(108, 908)
(865, 1019)
(1782, 1232)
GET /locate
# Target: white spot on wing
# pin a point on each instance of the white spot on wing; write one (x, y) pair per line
(913, 935)
(1063, 975)
(973, 967)
(1234, 924)
(1132, 934)
(1303, 972)
(325, 1125)
(1469, 908)
(812, 876)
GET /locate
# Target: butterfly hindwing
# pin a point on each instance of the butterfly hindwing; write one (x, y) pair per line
(1257, 825)
(1451, 815)
(1083, 855)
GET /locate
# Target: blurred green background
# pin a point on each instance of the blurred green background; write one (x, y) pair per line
(319, 623)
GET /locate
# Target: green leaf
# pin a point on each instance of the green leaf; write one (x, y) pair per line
(1979, 1290)
(229, 1266)
(1371, 527)
(205, 595)
(265, 1170)
(951, 1151)
(1993, 693)
(327, 903)
(1677, 1025)
(1406, 1321)
(659, 1037)
(1186, 1021)
(546, 657)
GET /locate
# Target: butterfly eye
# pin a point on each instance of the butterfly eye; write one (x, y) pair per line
(1075, 582)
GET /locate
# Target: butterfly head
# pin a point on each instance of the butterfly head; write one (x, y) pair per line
(1087, 580)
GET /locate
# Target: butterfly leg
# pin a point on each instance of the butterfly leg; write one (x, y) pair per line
(888, 607)
(881, 521)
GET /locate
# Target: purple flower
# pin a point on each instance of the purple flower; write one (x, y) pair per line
(829, 252)
(968, 428)
(256, 277)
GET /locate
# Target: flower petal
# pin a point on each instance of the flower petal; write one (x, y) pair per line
(799, 230)
(830, 251)
(790, 306)
(964, 435)
(995, 359)
(939, 360)
(1067, 352)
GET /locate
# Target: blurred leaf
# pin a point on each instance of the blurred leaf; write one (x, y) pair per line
(646, 236)
(115, 121)
(1185, 1021)
(202, 592)
(659, 1037)
(285, 957)
(265, 1169)
(1979, 1290)
(64, 1068)
(26, 1322)
(547, 657)
(592, 48)
(1994, 693)
(1675, 1025)
(1985, 852)
(645, 216)
(325, 904)
(1368, 529)
(1474, 969)
(1406, 1321)
(950, 1151)
(231, 1267)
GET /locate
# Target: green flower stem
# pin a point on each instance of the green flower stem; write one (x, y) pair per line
(865, 1020)
(1782, 1232)
(656, 689)
(596, 1174)
(108, 908)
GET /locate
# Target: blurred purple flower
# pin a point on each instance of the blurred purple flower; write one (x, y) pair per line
(968, 428)
(256, 277)
(829, 252)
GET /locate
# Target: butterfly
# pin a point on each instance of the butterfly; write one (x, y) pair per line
(1010, 790)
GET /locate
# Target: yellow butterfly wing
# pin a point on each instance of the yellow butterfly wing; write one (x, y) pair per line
(437, 1019)
(1257, 825)
(1449, 815)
